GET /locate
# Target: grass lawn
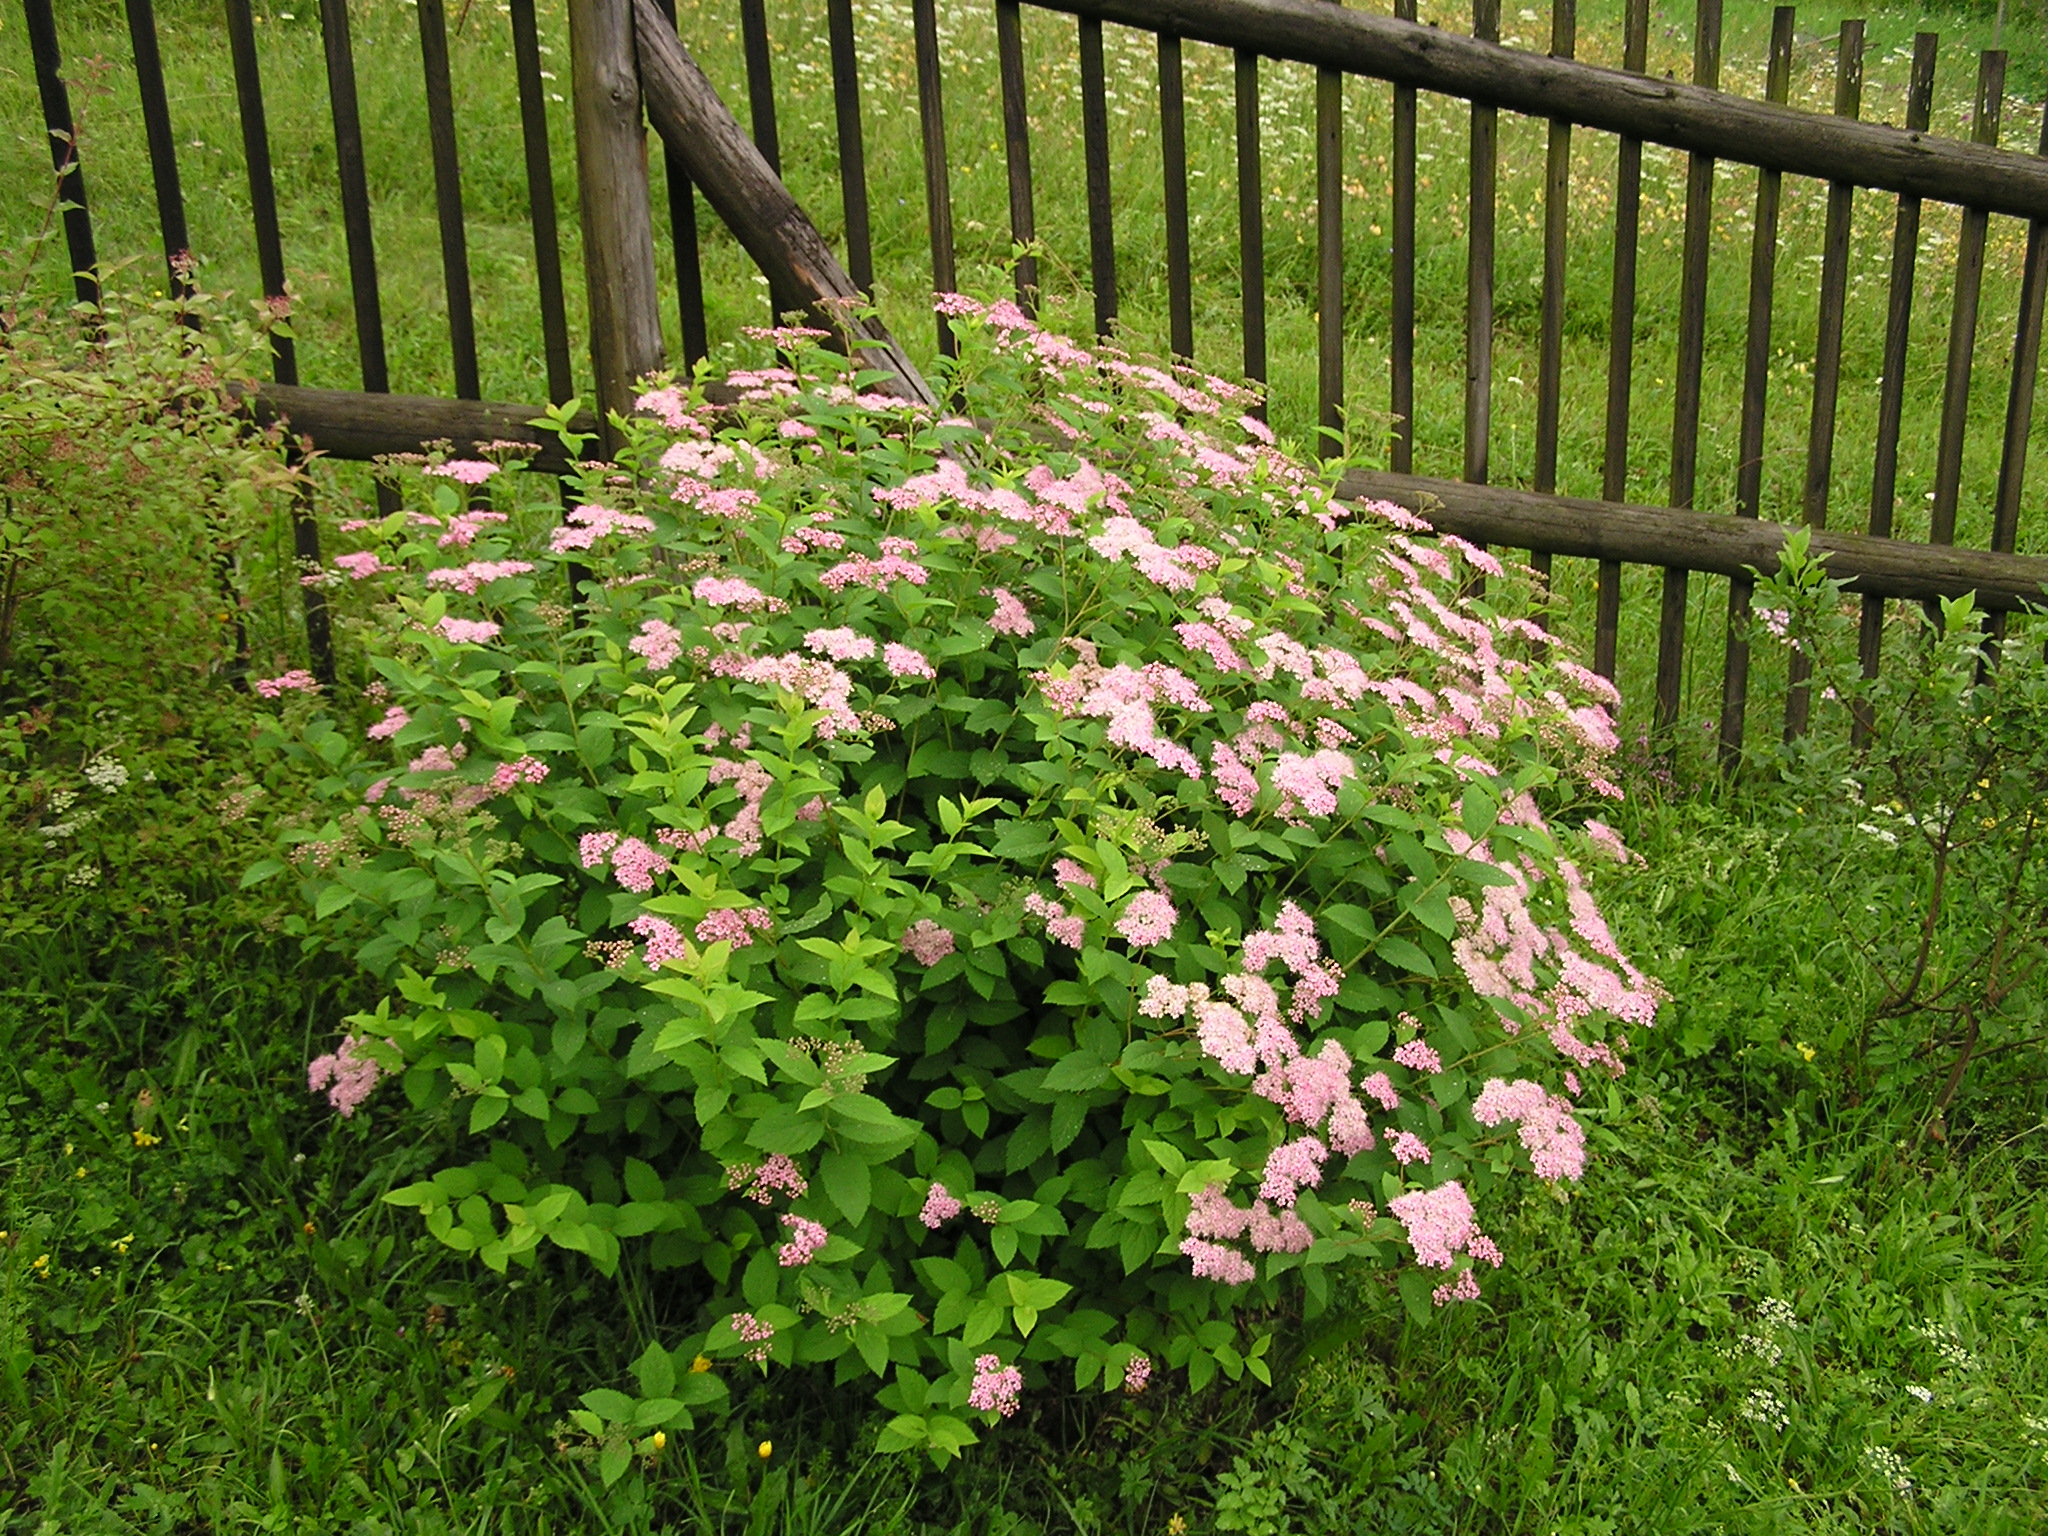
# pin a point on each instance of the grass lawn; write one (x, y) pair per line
(1777, 1301)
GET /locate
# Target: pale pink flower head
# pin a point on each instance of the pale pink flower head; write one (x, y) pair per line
(927, 942)
(467, 631)
(1067, 873)
(1010, 616)
(395, 720)
(658, 642)
(1218, 1262)
(902, 661)
(467, 471)
(996, 1387)
(348, 1073)
(1421, 1057)
(1148, 919)
(806, 1237)
(940, 1207)
(1137, 1374)
(298, 680)
(1291, 1167)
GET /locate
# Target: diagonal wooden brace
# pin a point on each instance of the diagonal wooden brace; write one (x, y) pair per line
(695, 124)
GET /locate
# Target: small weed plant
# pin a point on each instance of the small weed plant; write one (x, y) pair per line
(142, 561)
(989, 908)
(1933, 813)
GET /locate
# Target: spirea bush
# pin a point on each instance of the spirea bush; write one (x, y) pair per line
(992, 907)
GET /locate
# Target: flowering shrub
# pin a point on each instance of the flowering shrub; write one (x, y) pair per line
(986, 908)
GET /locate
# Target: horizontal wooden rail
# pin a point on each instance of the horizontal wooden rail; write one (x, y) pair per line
(1701, 541)
(349, 424)
(1686, 117)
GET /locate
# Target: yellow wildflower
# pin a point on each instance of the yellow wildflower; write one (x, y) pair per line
(765, 1449)
(1806, 1051)
(661, 1439)
(700, 1365)
(144, 1139)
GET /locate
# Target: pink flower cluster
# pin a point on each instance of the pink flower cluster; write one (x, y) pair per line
(1147, 919)
(463, 528)
(587, 524)
(1174, 569)
(996, 1387)
(927, 942)
(1059, 923)
(468, 578)
(897, 563)
(298, 680)
(733, 592)
(395, 720)
(1124, 696)
(940, 1207)
(734, 925)
(658, 643)
(1137, 1374)
(467, 471)
(634, 864)
(467, 631)
(1555, 1141)
(348, 1073)
(507, 777)
(664, 939)
(778, 1176)
(806, 1237)
(1010, 616)
(752, 1330)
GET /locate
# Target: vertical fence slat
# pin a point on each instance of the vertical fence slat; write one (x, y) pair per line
(64, 156)
(1685, 396)
(1891, 395)
(1557, 193)
(284, 360)
(1401, 320)
(618, 228)
(2019, 402)
(938, 187)
(540, 201)
(1016, 149)
(853, 156)
(355, 195)
(1251, 218)
(683, 243)
(1962, 328)
(1095, 150)
(760, 61)
(1330, 261)
(1482, 184)
(1621, 339)
(1827, 352)
(1173, 151)
(1756, 384)
(448, 197)
(163, 151)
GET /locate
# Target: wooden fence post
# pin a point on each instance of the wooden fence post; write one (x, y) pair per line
(618, 226)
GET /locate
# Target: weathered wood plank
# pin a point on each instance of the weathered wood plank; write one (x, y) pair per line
(1685, 117)
(611, 173)
(687, 112)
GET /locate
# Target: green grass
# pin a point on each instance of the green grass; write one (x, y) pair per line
(193, 1358)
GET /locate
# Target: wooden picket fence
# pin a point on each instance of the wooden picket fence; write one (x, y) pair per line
(629, 67)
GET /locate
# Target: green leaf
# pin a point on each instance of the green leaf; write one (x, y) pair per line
(1405, 954)
(655, 1371)
(847, 1179)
